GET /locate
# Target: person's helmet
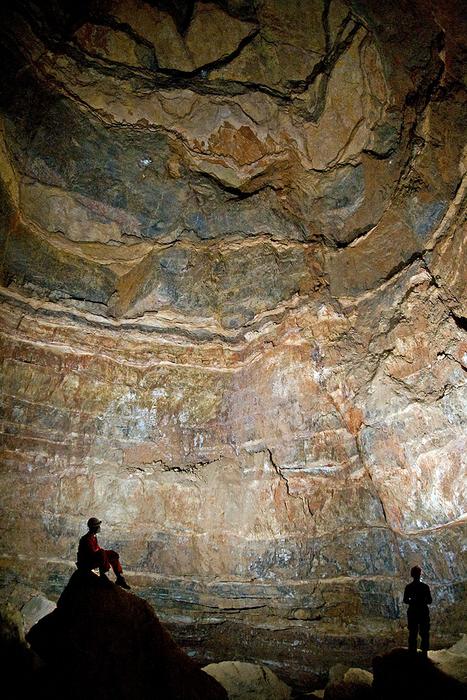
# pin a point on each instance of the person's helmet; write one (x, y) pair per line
(94, 522)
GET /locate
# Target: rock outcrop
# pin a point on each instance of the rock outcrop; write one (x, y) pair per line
(233, 313)
(398, 675)
(106, 642)
(351, 684)
(243, 680)
(452, 661)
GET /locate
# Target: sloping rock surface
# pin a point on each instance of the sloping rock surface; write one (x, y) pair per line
(102, 641)
(405, 677)
(452, 661)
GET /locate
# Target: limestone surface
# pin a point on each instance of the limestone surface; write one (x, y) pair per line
(243, 680)
(452, 661)
(233, 313)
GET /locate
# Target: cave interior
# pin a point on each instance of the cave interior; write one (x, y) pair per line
(233, 314)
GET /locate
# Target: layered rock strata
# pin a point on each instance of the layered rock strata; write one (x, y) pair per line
(233, 313)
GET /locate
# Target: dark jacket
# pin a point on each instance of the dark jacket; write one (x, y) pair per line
(418, 597)
(88, 550)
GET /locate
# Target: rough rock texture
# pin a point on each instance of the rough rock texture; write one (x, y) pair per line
(233, 313)
(354, 684)
(34, 610)
(104, 641)
(242, 680)
(452, 661)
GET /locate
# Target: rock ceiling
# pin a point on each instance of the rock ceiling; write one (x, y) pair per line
(233, 304)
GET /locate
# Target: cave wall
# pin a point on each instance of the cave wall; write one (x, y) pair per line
(233, 313)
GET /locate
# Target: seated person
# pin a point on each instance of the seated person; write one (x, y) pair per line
(91, 556)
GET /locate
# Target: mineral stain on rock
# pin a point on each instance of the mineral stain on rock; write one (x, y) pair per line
(233, 303)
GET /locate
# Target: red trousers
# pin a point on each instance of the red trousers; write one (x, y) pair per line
(108, 558)
(104, 559)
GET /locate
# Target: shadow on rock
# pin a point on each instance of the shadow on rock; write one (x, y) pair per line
(106, 642)
(397, 675)
(19, 663)
(403, 676)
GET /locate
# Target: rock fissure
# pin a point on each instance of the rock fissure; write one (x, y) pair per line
(233, 313)
(460, 321)
(324, 68)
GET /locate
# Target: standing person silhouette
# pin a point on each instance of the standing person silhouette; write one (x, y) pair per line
(418, 597)
(91, 556)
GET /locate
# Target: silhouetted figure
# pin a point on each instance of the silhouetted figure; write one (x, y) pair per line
(418, 597)
(91, 556)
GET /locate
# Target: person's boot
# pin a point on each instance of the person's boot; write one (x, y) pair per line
(121, 582)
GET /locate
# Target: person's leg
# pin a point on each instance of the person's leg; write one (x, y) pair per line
(102, 561)
(413, 636)
(114, 560)
(425, 636)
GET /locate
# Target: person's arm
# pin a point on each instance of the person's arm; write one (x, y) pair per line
(428, 596)
(94, 544)
(90, 544)
(86, 550)
(406, 595)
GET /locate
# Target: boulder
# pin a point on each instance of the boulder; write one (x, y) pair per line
(244, 680)
(348, 690)
(348, 683)
(35, 609)
(104, 641)
(360, 676)
(404, 676)
(452, 661)
(337, 672)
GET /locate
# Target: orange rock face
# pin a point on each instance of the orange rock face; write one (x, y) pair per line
(233, 302)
